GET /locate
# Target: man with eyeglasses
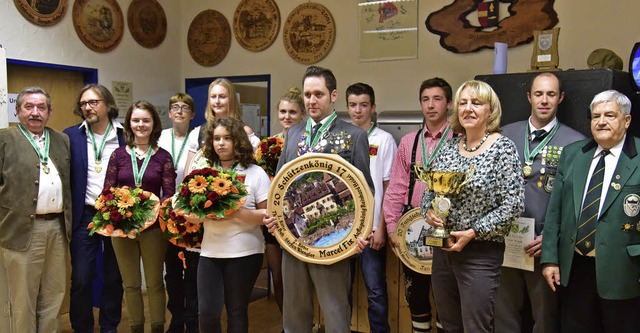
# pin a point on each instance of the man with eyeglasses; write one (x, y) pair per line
(35, 214)
(181, 278)
(92, 143)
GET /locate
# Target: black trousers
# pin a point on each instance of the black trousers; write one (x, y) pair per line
(583, 311)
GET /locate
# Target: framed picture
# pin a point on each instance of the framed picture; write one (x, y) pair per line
(388, 30)
(322, 204)
(410, 247)
(43, 13)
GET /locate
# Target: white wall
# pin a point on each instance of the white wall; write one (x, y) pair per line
(585, 26)
(155, 73)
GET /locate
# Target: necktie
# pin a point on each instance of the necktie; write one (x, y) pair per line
(314, 130)
(591, 208)
(539, 134)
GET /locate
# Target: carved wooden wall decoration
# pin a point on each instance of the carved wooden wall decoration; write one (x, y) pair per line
(458, 35)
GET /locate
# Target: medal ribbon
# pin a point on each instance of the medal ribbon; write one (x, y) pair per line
(97, 150)
(427, 162)
(138, 174)
(530, 156)
(44, 157)
(176, 159)
(320, 132)
(370, 130)
(232, 168)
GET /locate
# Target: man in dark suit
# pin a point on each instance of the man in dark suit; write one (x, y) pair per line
(35, 214)
(591, 243)
(331, 282)
(540, 141)
(92, 143)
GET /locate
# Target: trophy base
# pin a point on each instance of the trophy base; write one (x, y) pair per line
(445, 242)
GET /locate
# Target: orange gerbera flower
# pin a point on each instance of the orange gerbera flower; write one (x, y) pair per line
(171, 226)
(126, 200)
(198, 185)
(222, 186)
(99, 204)
(191, 227)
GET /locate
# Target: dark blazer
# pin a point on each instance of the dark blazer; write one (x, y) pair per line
(538, 186)
(617, 247)
(79, 168)
(19, 179)
(357, 154)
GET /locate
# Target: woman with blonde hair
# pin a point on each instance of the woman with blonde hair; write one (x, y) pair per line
(290, 110)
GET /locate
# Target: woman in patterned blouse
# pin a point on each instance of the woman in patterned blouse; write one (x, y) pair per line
(466, 275)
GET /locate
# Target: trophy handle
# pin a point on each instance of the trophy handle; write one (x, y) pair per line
(467, 177)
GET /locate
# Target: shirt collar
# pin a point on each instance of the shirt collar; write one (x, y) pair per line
(438, 133)
(114, 123)
(323, 121)
(547, 128)
(614, 151)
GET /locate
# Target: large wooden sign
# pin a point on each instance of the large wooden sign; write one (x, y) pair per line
(459, 35)
(322, 205)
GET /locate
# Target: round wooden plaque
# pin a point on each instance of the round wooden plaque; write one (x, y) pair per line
(42, 13)
(322, 205)
(309, 33)
(256, 24)
(209, 38)
(147, 22)
(98, 23)
(410, 232)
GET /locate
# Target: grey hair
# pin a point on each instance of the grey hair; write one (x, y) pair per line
(32, 90)
(612, 96)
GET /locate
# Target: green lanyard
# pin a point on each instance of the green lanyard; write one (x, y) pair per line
(138, 174)
(176, 159)
(97, 150)
(427, 162)
(320, 132)
(232, 168)
(530, 156)
(370, 130)
(44, 157)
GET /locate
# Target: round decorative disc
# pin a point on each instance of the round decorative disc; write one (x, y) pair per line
(147, 22)
(43, 13)
(309, 33)
(98, 23)
(256, 24)
(209, 38)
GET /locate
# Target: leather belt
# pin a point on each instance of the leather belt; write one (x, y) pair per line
(49, 216)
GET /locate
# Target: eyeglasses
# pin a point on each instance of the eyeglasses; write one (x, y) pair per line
(91, 103)
(177, 107)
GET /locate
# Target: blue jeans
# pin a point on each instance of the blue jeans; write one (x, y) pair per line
(373, 267)
(85, 251)
(226, 282)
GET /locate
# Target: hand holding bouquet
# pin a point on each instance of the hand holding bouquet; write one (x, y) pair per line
(268, 154)
(209, 193)
(124, 212)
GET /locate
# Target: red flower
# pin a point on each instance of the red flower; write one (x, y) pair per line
(212, 196)
(184, 191)
(115, 216)
(109, 196)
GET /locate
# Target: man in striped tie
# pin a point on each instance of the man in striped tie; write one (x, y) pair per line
(591, 239)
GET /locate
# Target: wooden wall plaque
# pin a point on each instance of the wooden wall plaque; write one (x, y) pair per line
(256, 24)
(209, 38)
(42, 13)
(98, 23)
(309, 33)
(147, 22)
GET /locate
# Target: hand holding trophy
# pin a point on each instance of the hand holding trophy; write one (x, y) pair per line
(442, 183)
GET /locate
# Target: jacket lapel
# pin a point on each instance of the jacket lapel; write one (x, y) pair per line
(623, 172)
(580, 173)
(83, 148)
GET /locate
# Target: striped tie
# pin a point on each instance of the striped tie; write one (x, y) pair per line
(590, 209)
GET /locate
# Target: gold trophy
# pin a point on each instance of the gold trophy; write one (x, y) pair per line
(442, 183)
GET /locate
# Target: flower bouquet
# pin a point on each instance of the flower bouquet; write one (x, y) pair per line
(268, 154)
(209, 193)
(177, 229)
(124, 212)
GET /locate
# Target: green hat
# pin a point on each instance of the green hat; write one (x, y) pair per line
(604, 58)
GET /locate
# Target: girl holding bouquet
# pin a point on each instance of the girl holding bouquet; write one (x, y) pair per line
(232, 247)
(141, 163)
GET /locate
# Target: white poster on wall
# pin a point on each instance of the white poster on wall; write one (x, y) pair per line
(4, 101)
